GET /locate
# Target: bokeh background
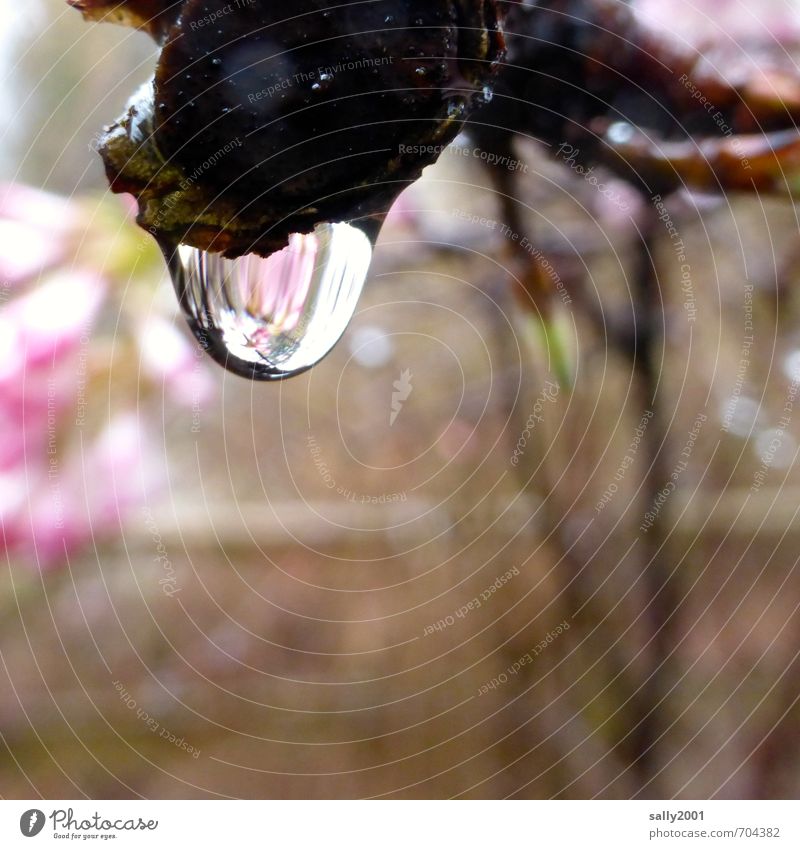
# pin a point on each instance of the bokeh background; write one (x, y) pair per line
(212, 588)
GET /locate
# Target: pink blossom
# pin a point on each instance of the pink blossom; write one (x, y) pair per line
(170, 360)
(33, 230)
(63, 484)
(740, 21)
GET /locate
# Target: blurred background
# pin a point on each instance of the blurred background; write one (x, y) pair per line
(532, 580)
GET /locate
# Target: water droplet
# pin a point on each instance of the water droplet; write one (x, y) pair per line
(275, 317)
(323, 84)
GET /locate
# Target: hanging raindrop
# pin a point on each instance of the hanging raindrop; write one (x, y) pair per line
(274, 317)
(333, 152)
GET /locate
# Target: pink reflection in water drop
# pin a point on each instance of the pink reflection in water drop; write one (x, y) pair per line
(276, 288)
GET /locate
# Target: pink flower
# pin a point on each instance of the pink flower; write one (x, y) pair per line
(700, 21)
(170, 360)
(63, 484)
(33, 230)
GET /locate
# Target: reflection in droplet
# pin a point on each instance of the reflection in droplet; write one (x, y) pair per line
(275, 317)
